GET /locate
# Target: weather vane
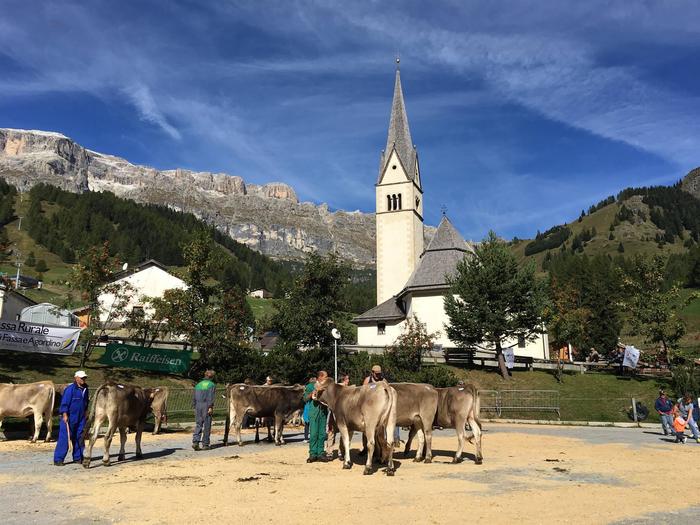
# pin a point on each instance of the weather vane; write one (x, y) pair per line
(443, 209)
(398, 61)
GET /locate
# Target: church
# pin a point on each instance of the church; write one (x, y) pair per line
(412, 278)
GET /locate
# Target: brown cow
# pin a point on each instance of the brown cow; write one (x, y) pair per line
(370, 409)
(35, 399)
(261, 401)
(123, 406)
(159, 407)
(416, 406)
(457, 406)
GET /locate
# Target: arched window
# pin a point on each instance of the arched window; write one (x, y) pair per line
(399, 201)
(388, 202)
(394, 202)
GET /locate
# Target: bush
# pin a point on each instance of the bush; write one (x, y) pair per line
(41, 266)
(31, 259)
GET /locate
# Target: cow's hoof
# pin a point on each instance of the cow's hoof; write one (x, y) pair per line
(347, 466)
(367, 471)
(390, 471)
(278, 444)
(417, 460)
(479, 461)
(456, 460)
(139, 455)
(121, 457)
(428, 460)
(106, 463)
(240, 443)
(86, 463)
(32, 440)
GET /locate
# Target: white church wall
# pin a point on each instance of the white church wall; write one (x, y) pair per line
(367, 334)
(395, 253)
(430, 310)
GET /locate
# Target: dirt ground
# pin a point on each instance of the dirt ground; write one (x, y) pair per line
(529, 475)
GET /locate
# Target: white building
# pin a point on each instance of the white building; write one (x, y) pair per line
(411, 280)
(149, 279)
(261, 293)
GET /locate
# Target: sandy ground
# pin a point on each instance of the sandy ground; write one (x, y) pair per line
(530, 475)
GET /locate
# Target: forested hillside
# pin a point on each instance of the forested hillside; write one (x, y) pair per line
(66, 223)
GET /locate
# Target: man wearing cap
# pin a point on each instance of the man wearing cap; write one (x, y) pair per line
(72, 419)
(664, 407)
(203, 404)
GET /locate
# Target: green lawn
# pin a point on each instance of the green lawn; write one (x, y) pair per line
(262, 307)
(583, 397)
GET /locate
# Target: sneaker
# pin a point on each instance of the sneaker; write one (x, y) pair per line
(697, 439)
(58, 463)
(195, 446)
(684, 440)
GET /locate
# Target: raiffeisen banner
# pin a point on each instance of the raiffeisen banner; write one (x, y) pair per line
(29, 337)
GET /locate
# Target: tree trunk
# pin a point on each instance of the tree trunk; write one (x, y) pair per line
(501, 361)
(667, 352)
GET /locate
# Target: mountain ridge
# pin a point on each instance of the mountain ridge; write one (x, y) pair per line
(268, 218)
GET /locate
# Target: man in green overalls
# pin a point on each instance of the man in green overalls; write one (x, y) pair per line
(318, 415)
(203, 404)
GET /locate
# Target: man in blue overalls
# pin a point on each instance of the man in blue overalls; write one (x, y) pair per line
(72, 419)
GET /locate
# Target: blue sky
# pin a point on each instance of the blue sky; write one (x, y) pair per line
(523, 112)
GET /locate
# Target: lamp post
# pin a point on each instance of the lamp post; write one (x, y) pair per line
(336, 336)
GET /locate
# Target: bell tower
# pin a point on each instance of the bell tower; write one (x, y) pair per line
(399, 203)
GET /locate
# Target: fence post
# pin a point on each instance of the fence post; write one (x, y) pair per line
(634, 411)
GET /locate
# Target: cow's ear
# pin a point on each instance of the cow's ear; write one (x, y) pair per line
(152, 395)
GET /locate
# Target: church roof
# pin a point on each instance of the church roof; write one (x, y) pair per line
(399, 135)
(389, 310)
(446, 249)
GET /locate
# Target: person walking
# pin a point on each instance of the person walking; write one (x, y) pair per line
(664, 407)
(72, 419)
(203, 404)
(685, 405)
(318, 416)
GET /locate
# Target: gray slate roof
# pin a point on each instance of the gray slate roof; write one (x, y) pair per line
(439, 260)
(387, 311)
(399, 135)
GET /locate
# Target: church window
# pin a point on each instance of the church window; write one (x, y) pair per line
(399, 201)
(393, 167)
(521, 341)
(417, 201)
(388, 202)
(381, 328)
(394, 202)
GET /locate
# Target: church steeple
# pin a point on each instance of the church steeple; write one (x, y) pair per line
(399, 137)
(399, 204)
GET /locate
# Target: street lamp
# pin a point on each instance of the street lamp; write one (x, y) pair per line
(336, 336)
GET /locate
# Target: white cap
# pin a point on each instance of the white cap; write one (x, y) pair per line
(81, 374)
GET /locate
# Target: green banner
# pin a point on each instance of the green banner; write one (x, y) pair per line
(158, 359)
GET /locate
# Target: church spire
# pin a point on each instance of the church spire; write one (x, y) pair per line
(399, 134)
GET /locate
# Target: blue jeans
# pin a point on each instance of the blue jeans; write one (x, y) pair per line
(693, 428)
(666, 423)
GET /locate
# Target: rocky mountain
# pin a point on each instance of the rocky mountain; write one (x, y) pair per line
(267, 218)
(691, 183)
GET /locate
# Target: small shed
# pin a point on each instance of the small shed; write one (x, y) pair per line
(261, 293)
(49, 314)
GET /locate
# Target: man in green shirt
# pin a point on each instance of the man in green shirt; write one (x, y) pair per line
(318, 416)
(203, 404)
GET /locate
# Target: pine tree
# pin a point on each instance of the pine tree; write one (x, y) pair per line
(491, 300)
(41, 266)
(31, 260)
(621, 247)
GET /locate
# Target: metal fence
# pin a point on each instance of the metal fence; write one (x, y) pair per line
(180, 400)
(517, 402)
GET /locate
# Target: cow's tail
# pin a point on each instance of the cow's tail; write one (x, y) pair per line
(91, 417)
(228, 416)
